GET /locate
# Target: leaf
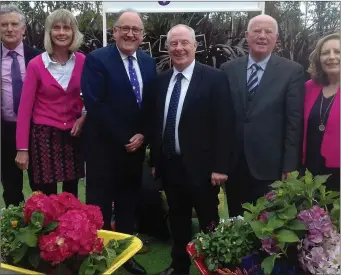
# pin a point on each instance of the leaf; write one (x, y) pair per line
(287, 236)
(90, 270)
(248, 216)
(294, 174)
(109, 254)
(37, 218)
(27, 236)
(319, 180)
(268, 264)
(257, 228)
(19, 253)
(274, 224)
(276, 184)
(50, 226)
(296, 225)
(248, 206)
(288, 213)
(84, 265)
(34, 257)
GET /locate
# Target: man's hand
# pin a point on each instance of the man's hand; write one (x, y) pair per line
(135, 143)
(285, 176)
(22, 160)
(218, 179)
(152, 172)
(78, 126)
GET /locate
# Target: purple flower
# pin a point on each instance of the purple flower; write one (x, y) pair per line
(270, 196)
(270, 245)
(263, 217)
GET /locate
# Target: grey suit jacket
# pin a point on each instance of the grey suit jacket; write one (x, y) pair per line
(270, 126)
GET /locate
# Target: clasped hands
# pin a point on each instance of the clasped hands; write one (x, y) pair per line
(135, 143)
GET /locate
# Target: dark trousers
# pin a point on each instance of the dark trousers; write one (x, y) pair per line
(11, 175)
(182, 196)
(51, 188)
(115, 177)
(242, 187)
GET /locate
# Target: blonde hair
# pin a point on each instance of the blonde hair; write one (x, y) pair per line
(315, 68)
(65, 16)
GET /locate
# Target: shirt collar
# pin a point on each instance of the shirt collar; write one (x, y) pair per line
(261, 64)
(19, 50)
(187, 72)
(47, 59)
(124, 56)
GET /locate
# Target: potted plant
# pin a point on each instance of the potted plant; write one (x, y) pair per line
(292, 222)
(223, 248)
(295, 225)
(58, 234)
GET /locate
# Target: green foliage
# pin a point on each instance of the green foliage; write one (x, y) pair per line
(227, 244)
(97, 263)
(12, 220)
(275, 215)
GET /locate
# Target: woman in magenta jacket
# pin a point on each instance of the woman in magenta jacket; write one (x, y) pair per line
(321, 145)
(50, 116)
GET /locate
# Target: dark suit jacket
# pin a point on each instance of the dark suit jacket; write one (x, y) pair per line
(206, 125)
(271, 124)
(113, 115)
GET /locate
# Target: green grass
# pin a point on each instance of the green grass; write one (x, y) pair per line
(156, 260)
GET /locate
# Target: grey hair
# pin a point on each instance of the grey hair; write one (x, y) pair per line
(67, 17)
(121, 12)
(262, 15)
(4, 9)
(181, 25)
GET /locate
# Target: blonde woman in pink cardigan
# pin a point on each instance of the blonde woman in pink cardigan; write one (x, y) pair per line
(321, 145)
(50, 116)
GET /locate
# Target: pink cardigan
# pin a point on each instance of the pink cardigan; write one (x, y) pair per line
(330, 148)
(44, 101)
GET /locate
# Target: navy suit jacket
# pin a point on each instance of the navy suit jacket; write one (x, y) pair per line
(112, 109)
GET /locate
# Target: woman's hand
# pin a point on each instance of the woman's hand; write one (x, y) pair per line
(78, 126)
(22, 160)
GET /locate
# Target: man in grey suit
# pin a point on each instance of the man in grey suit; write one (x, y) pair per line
(268, 94)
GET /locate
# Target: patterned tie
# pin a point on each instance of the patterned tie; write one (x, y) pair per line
(252, 84)
(16, 80)
(169, 134)
(134, 81)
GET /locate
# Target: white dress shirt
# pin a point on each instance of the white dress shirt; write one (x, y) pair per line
(136, 67)
(187, 73)
(61, 73)
(262, 64)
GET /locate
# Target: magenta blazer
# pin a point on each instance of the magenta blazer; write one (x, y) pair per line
(330, 148)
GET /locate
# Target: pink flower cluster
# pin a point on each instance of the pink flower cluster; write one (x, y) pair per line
(318, 223)
(320, 249)
(77, 229)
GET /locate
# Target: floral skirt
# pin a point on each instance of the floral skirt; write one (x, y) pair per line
(55, 155)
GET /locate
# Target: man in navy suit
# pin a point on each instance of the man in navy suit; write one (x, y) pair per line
(12, 29)
(115, 84)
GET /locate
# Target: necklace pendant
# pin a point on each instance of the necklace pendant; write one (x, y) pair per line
(322, 128)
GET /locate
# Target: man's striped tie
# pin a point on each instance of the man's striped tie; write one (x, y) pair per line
(252, 84)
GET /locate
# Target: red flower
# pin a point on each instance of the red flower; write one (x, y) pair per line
(66, 201)
(94, 215)
(40, 202)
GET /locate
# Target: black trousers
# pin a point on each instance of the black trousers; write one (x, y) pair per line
(11, 175)
(182, 196)
(115, 177)
(242, 187)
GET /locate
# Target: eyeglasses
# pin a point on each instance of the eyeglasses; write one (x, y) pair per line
(126, 29)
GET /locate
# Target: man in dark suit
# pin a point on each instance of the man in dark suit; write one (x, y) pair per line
(14, 60)
(268, 93)
(192, 141)
(115, 83)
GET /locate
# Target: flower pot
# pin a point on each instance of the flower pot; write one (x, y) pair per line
(134, 247)
(251, 263)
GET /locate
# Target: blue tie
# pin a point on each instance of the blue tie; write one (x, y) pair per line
(134, 81)
(169, 134)
(16, 81)
(252, 84)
